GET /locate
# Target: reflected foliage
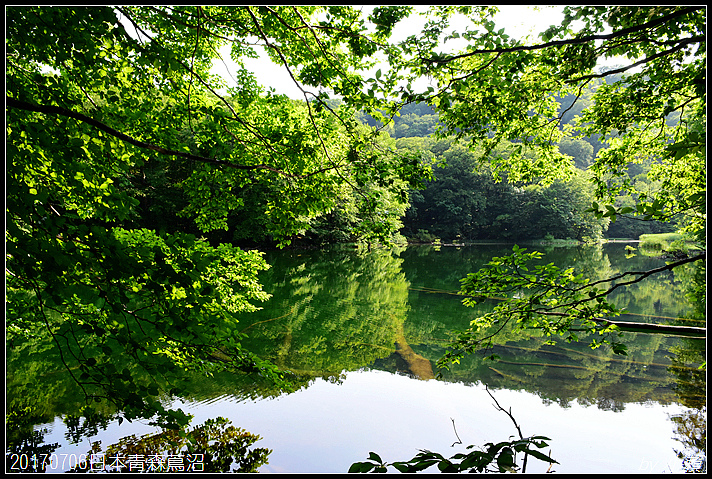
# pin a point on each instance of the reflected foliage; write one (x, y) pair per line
(341, 309)
(330, 311)
(24, 439)
(551, 300)
(691, 388)
(214, 446)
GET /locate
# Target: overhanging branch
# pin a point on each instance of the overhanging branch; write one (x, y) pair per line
(634, 327)
(56, 110)
(679, 46)
(668, 329)
(642, 274)
(571, 41)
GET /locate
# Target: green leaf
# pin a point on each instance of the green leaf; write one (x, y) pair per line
(540, 456)
(401, 466)
(505, 460)
(619, 348)
(361, 467)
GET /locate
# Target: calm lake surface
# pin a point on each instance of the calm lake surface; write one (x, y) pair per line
(363, 331)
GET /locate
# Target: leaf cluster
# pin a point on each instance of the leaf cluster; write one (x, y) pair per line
(536, 296)
(214, 446)
(499, 457)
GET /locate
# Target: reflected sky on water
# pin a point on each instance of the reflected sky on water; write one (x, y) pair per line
(338, 318)
(328, 426)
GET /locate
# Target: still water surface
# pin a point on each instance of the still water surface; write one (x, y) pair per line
(364, 330)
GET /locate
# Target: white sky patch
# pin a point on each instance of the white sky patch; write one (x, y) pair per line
(519, 21)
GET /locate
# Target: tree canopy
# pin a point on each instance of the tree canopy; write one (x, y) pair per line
(125, 155)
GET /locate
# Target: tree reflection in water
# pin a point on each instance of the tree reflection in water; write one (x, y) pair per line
(337, 310)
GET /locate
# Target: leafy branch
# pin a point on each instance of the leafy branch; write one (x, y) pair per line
(552, 300)
(57, 110)
(614, 71)
(573, 41)
(499, 457)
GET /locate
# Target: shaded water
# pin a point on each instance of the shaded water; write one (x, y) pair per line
(363, 331)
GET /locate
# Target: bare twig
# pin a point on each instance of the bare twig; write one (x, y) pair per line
(519, 430)
(459, 441)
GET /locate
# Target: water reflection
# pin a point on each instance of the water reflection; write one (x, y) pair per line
(334, 311)
(337, 310)
(330, 311)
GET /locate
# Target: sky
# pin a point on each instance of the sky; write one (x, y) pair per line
(517, 20)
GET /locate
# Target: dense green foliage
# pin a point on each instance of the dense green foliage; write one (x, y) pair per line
(646, 120)
(464, 202)
(132, 169)
(120, 150)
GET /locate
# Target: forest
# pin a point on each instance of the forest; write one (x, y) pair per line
(466, 203)
(142, 190)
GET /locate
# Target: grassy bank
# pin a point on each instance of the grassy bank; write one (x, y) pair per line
(665, 242)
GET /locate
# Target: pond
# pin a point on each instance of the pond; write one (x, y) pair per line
(363, 330)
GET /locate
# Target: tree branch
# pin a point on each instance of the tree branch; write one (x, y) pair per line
(614, 71)
(633, 327)
(56, 110)
(571, 41)
(519, 430)
(642, 274)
